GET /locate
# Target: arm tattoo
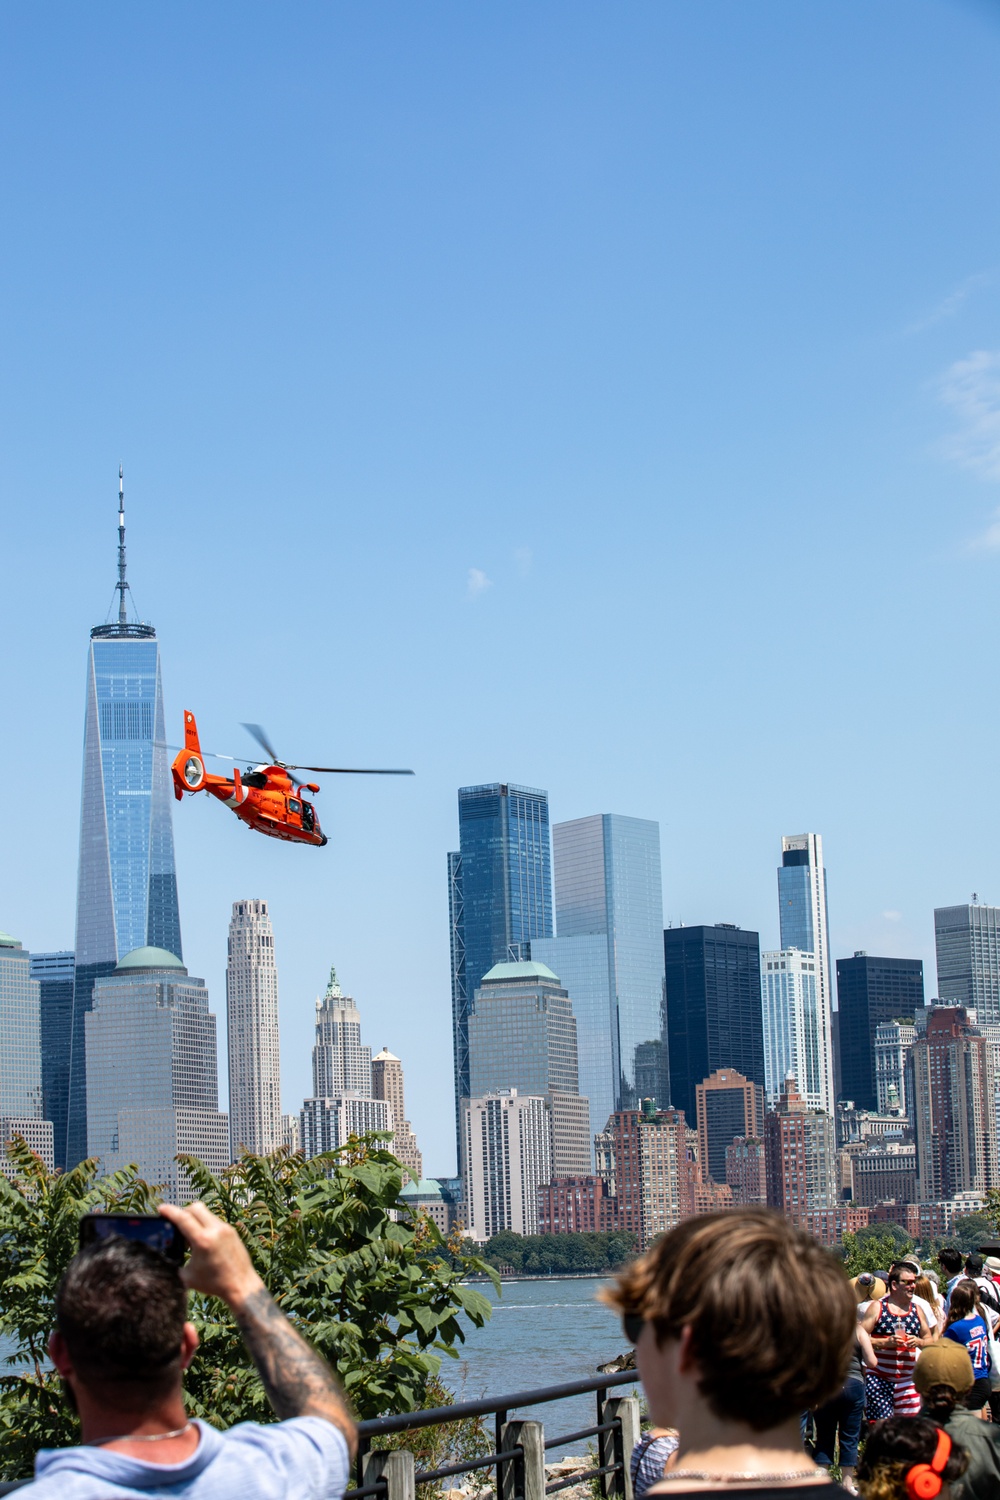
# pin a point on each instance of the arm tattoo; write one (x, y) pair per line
(298, 1382)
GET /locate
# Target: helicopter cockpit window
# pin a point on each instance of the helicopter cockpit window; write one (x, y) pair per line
(255, 778)
(294, 805)
(308, 816)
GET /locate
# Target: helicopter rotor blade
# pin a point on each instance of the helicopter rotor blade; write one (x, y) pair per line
(348, 771)
(260, 735)
(207, 754)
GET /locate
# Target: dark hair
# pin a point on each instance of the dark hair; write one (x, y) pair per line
(973, 1264)
(939, 1402)
(964, 1301)
(894, 1447)
(121, 1308)
(951, 1259)
(896, 1267)
(740, 1281)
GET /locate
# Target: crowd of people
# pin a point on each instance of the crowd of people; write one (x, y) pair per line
(765, 1369)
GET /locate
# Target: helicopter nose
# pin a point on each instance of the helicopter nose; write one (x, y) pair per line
(323, 840)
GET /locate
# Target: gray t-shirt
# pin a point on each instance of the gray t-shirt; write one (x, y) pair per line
(305, 1458)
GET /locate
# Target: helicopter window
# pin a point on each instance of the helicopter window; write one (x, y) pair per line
(308, 816)
(294, 805)
(255, 778)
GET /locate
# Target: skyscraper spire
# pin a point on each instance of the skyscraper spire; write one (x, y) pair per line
(122, 585)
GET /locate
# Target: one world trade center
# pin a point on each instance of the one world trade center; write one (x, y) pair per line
(127, 884)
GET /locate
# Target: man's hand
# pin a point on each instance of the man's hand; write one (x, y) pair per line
(219, 1263)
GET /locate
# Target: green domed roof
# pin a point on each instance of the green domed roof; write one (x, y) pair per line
(6, 941)
(427, 1187)
(149, 958)
(520, 970)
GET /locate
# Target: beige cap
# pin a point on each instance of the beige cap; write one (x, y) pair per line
(868, 1287)
(944, 1363)
(992, 1264)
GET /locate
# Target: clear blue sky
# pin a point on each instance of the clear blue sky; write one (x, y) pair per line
(600, 397)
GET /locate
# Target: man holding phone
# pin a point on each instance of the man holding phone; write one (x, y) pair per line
(122, 1343)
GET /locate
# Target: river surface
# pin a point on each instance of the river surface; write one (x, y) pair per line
(541, 1333)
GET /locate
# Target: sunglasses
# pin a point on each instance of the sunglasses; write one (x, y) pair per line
(633, 1324)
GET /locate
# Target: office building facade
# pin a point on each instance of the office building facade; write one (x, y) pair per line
(608, 952)
(522, 1035)
(801, 1158)
(341, 1063)
(793, 1042)
(713, 1002)
(508, 1156)
(21, 1053)
(951, 1082)
(127, 884)
(152, 1071)
(55, 973)
(728, 1105)
(893, 1040)
(499, 896)
(254, 1044)
(871, 990)
(967, 948)
(804, 924)
(644, 1159)
(388, 1084)
(746, 1171)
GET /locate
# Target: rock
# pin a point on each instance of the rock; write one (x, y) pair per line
(623, 1362)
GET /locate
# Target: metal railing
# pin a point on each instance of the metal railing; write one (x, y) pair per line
(520, 1446)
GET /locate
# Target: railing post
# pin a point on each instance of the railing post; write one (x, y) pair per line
(624, 1412)
(523, 1477)
(396, 1467)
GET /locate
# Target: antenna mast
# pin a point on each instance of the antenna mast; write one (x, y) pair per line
(122, 585)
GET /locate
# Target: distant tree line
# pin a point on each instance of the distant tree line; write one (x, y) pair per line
(558, 1254)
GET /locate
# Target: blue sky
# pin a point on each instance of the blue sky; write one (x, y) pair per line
(604, 398)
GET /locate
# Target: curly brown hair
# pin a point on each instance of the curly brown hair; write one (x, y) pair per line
(892, 1450)
(771, 1313)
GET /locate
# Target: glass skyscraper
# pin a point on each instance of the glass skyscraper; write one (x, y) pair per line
(499, 895)
(714, 1013)
(609, 955)
(55, 975)
(127, 885)
(804, 923)
(869, 991)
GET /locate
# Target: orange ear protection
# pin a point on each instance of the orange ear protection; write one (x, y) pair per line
(923, 1481)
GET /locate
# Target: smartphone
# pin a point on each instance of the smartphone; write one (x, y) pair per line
(150, 1229)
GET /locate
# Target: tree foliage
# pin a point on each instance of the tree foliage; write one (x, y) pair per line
(559, 1254)
(380, 1297)
(874, 1248)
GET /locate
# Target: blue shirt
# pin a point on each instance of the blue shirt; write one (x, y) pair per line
(972, 1333)
(305, 1458)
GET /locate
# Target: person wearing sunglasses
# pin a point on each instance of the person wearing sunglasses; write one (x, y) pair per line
(741, 1322)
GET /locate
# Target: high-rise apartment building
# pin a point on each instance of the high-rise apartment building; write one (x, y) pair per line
(254, 1046)
(55, 973)
(152, 1071)
(508, 1157)
(869, 991)
(746, 1171)
(729, 1105)
(608, 952)
(387, 1084)
(893, 1040)
(127, 886)
(801, 1155)
(574, 1205)
(21, 1053)
(325, 1124)
(967, 943)
(499, 896)
(793, 1042)
(522, 1036)
(713, 1001)
(644, 1160)
(951, 1084)
(341, 1064)
(804, 924)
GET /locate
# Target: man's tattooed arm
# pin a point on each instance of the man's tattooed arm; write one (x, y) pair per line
(298, 1382)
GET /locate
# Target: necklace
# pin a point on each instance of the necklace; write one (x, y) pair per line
(752, 1476)
(141, 1437)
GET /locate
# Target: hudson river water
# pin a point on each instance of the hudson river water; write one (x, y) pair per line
(541, 1333)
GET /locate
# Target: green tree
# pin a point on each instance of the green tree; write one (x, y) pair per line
(559, 1254)
(874, 1248)
(381, 1298)
(969, 1231)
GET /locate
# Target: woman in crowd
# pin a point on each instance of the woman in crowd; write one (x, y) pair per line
(741, 1322)
(926, 1295)
(967, 1326)
(944, 1377)
(910, 1458)
(651, 1456)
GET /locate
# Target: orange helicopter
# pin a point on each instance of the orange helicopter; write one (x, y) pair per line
(266, 798)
